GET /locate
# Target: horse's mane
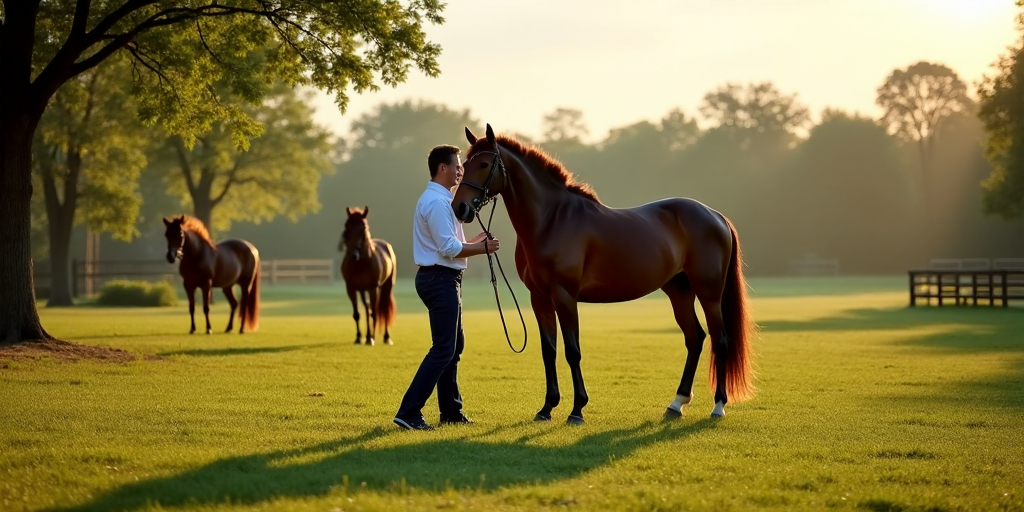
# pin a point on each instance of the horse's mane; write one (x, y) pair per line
(196, 226)
(554, 168)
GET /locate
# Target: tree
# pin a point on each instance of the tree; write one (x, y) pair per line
(89, 150)
(564, 126)
(1002, 113)
(917, 100)
(179, 50)
(755, 114)
(278, 174)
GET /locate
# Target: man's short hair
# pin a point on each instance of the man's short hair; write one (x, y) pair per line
(440, 155)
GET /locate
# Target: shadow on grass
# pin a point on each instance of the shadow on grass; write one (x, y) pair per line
(240, 351)
(430, 465)
(961, 330)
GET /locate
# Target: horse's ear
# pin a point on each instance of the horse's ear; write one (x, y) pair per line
(167, 222)
(470, 137)
(180, 220)
(348, 211)
(366, 211)
(490, 134)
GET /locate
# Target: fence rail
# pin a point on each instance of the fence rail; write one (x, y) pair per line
(89, 277)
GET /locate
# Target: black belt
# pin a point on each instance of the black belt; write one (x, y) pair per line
(441, 269)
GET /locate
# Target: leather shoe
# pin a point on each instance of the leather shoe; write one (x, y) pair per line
(412, 424)
(461, 419)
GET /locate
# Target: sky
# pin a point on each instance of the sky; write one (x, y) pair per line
(621, 62)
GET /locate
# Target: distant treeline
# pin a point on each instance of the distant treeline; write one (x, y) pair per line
(841, 189)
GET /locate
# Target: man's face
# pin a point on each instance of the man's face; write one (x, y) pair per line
(452, 171)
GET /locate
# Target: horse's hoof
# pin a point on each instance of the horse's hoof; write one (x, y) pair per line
(358, 341)
(209, 331)
(574, 420)
(369, 342)
(542, 417)
(719, 410)
(672, 414)
(389, 341)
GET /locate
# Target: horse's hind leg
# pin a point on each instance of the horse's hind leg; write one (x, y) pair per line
(369, 318)
(681, 295)
(207, 298)
(371, 331)
(709, 287)
(544, 310)
(229, 292)
(355, 313)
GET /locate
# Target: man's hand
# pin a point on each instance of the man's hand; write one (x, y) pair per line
(479, 238)
(491, 245)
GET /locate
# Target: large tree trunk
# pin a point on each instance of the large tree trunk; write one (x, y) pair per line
(203, 209)
(60, 262)
(60, 217)
(19, 320)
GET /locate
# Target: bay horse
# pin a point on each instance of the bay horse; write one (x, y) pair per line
(368, 266)
(572, 248)
(207, 266)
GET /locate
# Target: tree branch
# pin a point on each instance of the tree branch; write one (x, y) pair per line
(186, 169)
(227, 186)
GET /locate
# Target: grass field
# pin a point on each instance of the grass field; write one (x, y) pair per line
(863, 404)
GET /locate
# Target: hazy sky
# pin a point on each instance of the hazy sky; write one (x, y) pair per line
(620, 62)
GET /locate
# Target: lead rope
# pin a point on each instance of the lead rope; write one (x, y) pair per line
(494, 284)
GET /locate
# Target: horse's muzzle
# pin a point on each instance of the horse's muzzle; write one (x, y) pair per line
(464, 213)
(171, 255)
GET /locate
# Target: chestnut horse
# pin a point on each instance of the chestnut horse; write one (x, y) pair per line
(207, 266)
(368, 267)
(571, 248)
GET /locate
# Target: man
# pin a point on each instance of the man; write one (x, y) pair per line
(440, 250)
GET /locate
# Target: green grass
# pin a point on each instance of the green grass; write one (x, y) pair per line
(863, 404)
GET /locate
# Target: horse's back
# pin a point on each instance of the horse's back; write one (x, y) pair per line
(236, 258)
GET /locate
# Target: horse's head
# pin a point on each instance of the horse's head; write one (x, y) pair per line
(175, 236)
(484, 176)
(356, 234)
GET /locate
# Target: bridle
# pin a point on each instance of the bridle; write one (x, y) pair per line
(497, 166)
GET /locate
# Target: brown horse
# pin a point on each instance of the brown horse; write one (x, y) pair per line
(572, 248)
(368, 267)
(207, 266)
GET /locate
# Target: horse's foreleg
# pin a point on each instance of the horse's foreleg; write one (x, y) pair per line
(355, 313)
(682, 296)
(374, 311)
(229, 292)
(191, 292)
(207, 290)
(569, 321)
(544, 310)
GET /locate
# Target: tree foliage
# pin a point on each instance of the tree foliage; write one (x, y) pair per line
(181, 51)
(1002, 112)
(755, 114)
(89, 150)
(277, 173)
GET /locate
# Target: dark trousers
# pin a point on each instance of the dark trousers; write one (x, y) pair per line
(440, 289)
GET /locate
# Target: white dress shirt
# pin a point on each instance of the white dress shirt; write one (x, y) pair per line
(437, 237)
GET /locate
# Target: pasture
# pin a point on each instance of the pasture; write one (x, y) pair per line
(863, 404)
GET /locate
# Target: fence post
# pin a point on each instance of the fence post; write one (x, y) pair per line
(74, 278)
(273, 272)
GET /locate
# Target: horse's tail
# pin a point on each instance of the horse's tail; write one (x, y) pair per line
(252, 306)
(387, 306)
(739, 328)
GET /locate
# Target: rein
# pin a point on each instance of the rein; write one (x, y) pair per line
(494, 284)
(477, 206)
